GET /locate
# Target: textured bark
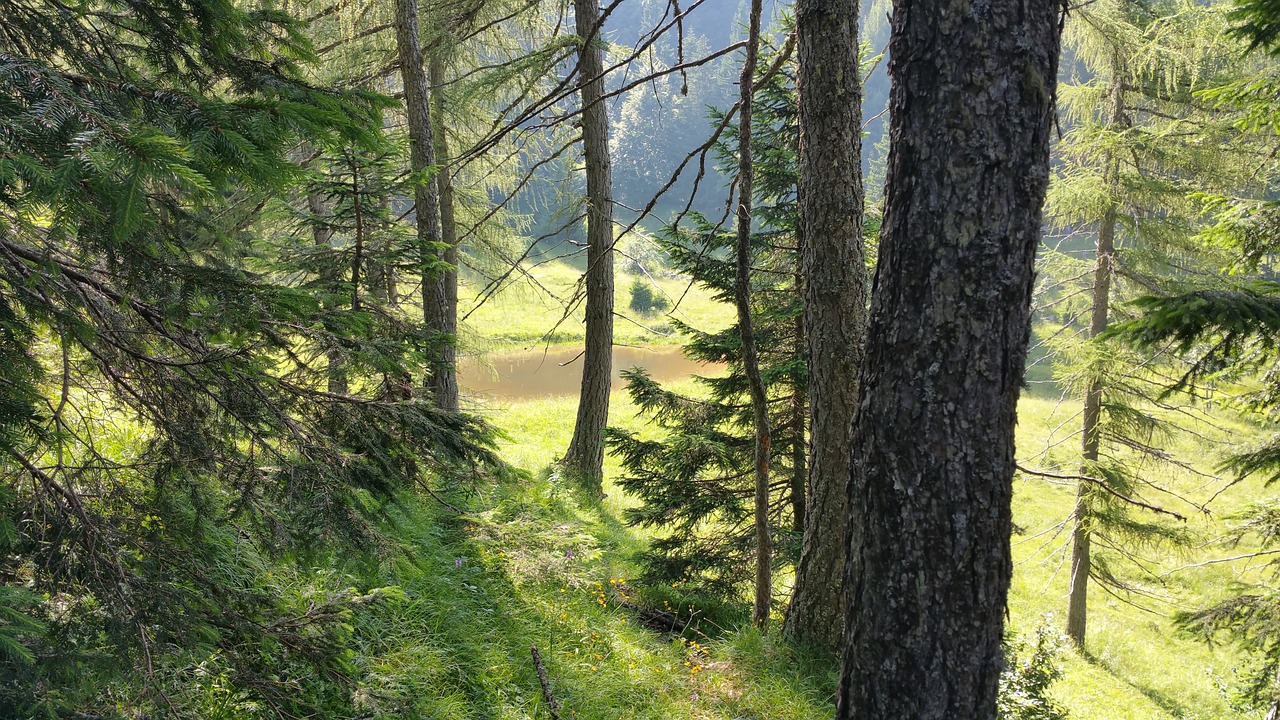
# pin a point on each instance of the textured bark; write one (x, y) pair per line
(417, 100)
(750, 358)
(831, 201)
(972, 113)
(1099, 312)
(445, 381)
(585, 458)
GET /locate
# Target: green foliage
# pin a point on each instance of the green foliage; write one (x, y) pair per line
(1030, 670)
(170, 437)
(1139, 145)
(694, 481)
(1259, 24)
(644, 300)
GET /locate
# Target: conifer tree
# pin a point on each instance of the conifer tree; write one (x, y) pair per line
(585, 456)
(1125, 177)
(1227, 332)
(697, 482)
(932, 485)
(168, 423)
(835, 286)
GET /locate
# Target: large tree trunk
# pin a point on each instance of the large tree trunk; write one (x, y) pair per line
(426, 202)
(831, 201)
(585, 458)
(445, 382)
(742, 298)
(972, 113)
(1090, 432)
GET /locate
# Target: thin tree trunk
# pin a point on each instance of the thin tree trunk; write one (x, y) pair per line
(445, 382)
(831, 208)
(321, 237)
(1273, 712)
(585, 457)
(750, 359)
(426, 202)
(799, 419)
(357, 252)
(932, 481)
(1099, 311)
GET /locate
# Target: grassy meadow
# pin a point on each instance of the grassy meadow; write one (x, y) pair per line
(528, 311)
(537, 564)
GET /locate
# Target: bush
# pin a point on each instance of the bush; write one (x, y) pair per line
(1029, 671)
(644, 300)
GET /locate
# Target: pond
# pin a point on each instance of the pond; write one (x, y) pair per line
(557, 371)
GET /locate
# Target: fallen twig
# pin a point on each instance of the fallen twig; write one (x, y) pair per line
(553, 707)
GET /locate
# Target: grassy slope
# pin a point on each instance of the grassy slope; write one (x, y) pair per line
(538, 566)
(526, 313)
(1136, 666)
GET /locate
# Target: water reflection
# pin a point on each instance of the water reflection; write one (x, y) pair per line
(527, 374)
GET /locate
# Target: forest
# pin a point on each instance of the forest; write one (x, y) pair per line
(461, 359)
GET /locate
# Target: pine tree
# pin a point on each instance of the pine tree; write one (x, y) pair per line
(696, 483)
(168, 423)
(1127, 169)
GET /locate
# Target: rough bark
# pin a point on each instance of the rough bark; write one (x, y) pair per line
(445, 381)
(742, 299)
(1099, 312)
(972, 113)
(831, 207)
(585, 457)
(417, 100)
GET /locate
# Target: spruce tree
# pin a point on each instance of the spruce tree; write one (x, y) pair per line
(697, 482)
(168, 421)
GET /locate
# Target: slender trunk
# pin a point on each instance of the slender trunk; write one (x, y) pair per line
(1273, 712)
(1099, 311)
(445, 382)
(357, 252)
(585, 457)
(376, 269)
(321, 237)
(831, 207)
(750, 359)
(425, 200)
(932, 480)
(799, 417)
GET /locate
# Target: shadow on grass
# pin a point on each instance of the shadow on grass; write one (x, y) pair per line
(540, 563)
(1162, 700)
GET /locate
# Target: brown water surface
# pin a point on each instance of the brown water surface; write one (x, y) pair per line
(557, 371)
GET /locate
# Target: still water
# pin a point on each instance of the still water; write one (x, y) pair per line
(527, 374)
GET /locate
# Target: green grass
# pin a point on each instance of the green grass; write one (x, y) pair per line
(529, 312)
(1136, 666)
(537, 564)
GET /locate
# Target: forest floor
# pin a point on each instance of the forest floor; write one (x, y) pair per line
(532, 563)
